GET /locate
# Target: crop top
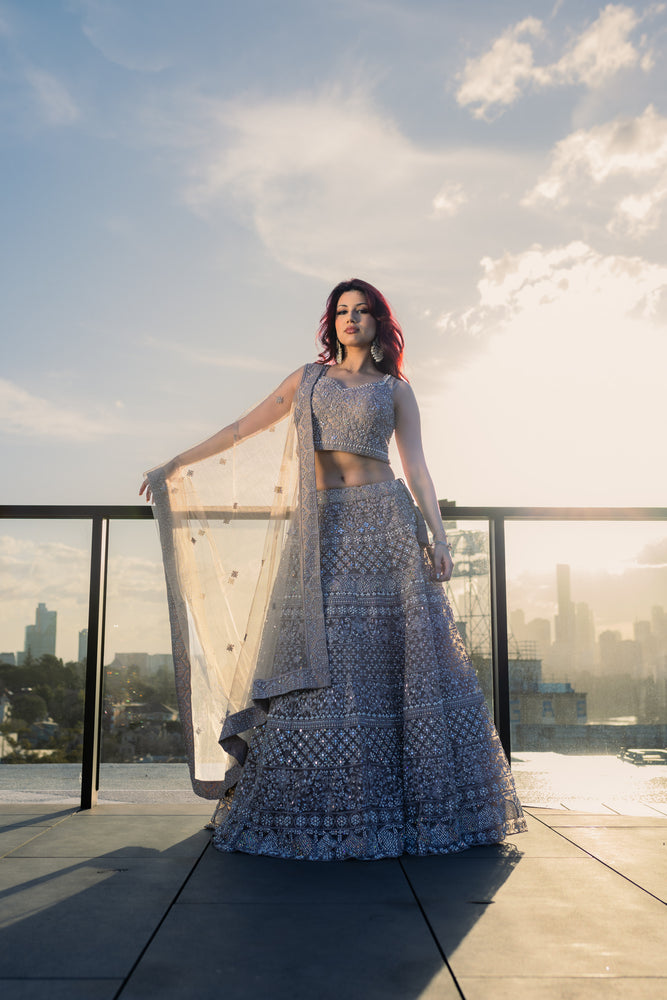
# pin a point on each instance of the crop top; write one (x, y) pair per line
(357, 418)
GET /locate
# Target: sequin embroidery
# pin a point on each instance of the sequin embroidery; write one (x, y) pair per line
(399, 753)
(357, 419)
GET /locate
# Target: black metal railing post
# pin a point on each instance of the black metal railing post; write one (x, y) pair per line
(92, 721)
(499, 633)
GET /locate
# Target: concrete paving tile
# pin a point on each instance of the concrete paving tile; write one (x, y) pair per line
(638, 853)
(35, 808)
(585, 805)
(22, 836)
(561, 988)
(566, 819)
(572, 916)
(625, 807)
(539, 811)
(82, 918)
(45, 817)
(242, 878)
(84, 835)
(59, 989)
(289, 951)
(200, 807)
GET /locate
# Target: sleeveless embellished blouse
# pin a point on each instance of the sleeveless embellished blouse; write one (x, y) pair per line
(357, 418)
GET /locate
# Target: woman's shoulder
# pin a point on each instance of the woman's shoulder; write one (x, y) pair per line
(310, 369)
(297, 377)
(402, 389)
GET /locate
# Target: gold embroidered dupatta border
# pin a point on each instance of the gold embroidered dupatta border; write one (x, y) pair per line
(225, 528)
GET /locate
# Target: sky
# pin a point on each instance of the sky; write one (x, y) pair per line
(183, 181)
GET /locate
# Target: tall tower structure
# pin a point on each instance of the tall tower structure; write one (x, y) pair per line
(468, 589)
(565, 619)
(40, 638)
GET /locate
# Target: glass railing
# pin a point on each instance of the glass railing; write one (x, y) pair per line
(563, 613)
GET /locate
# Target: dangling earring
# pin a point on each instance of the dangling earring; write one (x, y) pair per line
(377, 352)
(339, 353)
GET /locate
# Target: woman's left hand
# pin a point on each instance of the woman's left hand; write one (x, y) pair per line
(442, 561)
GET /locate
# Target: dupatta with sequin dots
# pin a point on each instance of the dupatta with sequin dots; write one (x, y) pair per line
(226, 526)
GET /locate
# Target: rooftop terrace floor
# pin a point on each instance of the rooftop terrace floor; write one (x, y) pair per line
(131, 901)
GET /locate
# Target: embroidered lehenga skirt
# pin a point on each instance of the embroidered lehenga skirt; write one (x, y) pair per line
(399, 754)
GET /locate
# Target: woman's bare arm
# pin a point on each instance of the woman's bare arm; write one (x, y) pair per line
(266, 414)
(411, 451)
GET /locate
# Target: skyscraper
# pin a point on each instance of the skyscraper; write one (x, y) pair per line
(40, 638)
(565, 628)
(83, 645)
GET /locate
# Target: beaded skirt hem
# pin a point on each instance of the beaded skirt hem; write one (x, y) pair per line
(399, 754)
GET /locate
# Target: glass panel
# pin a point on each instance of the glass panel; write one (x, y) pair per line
(44, 580)
(468, 593)
(143, 758)
(587, 606)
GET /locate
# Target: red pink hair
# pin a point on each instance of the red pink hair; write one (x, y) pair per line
(388, 331)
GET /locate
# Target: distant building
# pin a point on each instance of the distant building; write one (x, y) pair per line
(137, 660)
(145, 663)
(618, 655)
(83, 645)
(9, 658)
(40, 638)
(531, 638)
(584, 635)
(532, 701)
(565, 619)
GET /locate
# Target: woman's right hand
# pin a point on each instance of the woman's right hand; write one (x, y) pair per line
(146, 487)
(166, 470)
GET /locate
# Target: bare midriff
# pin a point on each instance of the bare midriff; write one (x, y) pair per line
(342, 468)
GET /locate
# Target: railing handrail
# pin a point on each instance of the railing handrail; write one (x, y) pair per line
(100, 515)
(449, 512)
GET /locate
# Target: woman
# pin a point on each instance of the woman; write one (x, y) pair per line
(352, 718)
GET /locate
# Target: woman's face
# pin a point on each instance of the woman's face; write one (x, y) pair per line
(355, 327)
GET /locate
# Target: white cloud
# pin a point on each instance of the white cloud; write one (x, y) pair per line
(51, 569)
(600, 51)
(23, 413)
(55, 102)
(496, 79)
(571, 277)
(449, 199)
(654, 554)
(333, 187)
(569, 387)
(632, 149)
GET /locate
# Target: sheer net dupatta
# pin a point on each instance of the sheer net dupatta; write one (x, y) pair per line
(224, 525)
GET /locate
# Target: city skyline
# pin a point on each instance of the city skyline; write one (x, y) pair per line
(137, 616)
